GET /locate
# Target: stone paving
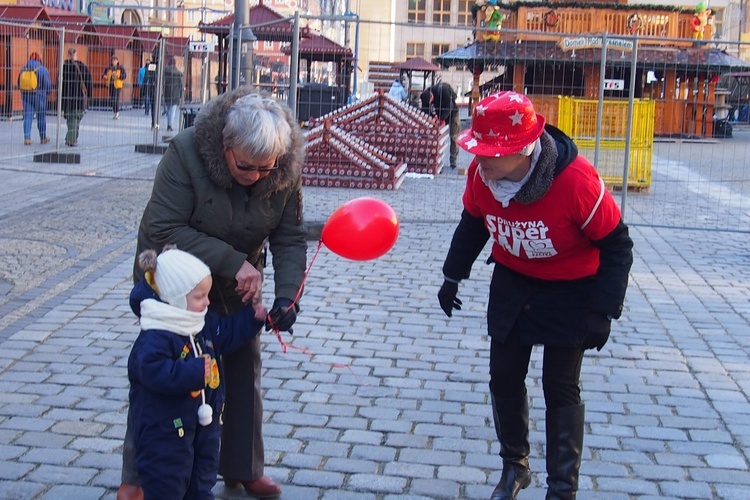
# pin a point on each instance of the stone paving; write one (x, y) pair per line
(392, 401)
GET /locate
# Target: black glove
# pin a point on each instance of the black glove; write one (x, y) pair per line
(282, 316)
(448, 299)
(596, 330)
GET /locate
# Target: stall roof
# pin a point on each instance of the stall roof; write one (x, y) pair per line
(493, 54)
(319, 48)
(267, 24)
(115, 36)
(416, 64)
(175, 45)
(23, 15)
(149, 40)
(75, 26)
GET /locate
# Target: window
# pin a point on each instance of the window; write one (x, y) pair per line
(440, 48)
(718, 21)
(464, 13)
(414, 50)
(416, 11)
(441, 12)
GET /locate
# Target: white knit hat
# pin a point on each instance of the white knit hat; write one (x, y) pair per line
(176, 274)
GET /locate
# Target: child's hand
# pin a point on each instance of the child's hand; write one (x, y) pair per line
(260, 312)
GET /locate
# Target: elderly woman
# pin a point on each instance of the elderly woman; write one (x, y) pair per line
(223, 188)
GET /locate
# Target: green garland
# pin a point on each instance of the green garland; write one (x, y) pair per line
(585, 5)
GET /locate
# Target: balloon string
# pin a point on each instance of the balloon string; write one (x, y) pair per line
(284, 345)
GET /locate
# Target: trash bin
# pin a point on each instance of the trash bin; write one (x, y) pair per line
(188, 115)
(722, 128)
(315, 100)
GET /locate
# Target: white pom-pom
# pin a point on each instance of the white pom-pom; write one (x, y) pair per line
(205, 414)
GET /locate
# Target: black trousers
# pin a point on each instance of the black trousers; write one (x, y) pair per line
(561, 371)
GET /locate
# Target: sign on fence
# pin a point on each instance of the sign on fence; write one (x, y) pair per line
(202, 47)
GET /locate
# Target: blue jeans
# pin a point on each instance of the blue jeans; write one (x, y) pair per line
(171, 114)
(34, 102)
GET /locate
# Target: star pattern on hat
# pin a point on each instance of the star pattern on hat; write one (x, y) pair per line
(516, 98)
(478, 135)
(516, 118)
(480, 110)
(491, 133)
(471, 143)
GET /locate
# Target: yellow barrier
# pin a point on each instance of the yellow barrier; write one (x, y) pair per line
(577, 118)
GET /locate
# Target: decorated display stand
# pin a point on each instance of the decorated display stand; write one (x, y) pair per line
(378, 128)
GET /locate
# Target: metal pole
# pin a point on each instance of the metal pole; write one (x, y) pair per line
(629, 132)
(230, 61)
(156, 108)
(59, 87)
(600, 106)
(355, 88)
(294, 66)
(237, 67)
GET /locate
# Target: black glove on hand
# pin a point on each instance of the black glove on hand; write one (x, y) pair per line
(448, 299)
(282, 317)
(596, 333)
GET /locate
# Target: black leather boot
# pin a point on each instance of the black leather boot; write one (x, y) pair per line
(512, 427)
(564, 447)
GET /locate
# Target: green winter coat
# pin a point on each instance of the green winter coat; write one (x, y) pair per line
(196, 204)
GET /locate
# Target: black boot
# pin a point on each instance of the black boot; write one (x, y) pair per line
(512, 427)
(564, 446)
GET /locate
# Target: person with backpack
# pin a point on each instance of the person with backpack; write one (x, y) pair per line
(35, 85)
(115, 76)
(172, 90)
(76, 87)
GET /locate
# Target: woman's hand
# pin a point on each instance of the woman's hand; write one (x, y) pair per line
(249, 283)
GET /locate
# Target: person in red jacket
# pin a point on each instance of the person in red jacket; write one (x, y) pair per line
(562, 255)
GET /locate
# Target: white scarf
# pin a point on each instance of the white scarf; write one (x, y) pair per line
(157, 315)
(504, 190)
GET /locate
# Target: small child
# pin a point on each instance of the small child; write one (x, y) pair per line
(175, 371)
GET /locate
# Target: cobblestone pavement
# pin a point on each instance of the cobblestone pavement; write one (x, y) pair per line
(392, 401)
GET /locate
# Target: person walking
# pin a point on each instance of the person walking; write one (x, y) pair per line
(175, 373)
(77, 86)
(562, 255)
(440, 101)
(115, 76)
(36, 85)
(173, 89)
(224, 188)
(144, 88)
(397, 91)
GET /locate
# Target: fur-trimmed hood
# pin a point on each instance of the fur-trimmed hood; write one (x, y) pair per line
(558, 151)
(209, 126)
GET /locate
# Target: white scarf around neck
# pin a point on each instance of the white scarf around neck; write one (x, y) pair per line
(157, 315)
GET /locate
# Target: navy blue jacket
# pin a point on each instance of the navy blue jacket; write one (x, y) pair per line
(163, 370)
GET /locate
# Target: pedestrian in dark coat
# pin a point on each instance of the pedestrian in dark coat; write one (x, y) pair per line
(224, 188)
(440, 101)
(173, 89)
(76, 89)
(35, 100)
(176, 376)
(562, 256)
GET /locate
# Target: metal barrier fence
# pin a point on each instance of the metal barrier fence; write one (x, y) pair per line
(693, 175)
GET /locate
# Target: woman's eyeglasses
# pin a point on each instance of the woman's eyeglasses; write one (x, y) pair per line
(252, 168)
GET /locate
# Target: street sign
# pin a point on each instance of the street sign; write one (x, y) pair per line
(202, 47)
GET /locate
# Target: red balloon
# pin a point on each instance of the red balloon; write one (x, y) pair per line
(361, 229)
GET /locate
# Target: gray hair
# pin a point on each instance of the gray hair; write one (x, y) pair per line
(258, 126)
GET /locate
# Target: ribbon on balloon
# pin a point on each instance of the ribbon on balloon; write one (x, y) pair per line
(360, 229)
